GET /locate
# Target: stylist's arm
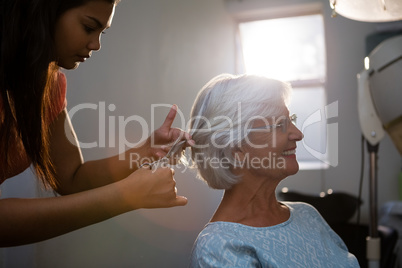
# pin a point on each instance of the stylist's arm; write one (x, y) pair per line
(75, 175)
(91, 191)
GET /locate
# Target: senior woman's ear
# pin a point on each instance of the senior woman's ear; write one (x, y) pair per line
(239, 157)
(238, 154)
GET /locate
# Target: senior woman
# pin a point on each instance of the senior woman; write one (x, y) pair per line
(246, 144)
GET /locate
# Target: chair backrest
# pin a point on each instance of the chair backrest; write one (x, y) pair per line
(335, 208)
(389, 239)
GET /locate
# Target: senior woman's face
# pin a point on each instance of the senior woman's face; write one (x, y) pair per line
(271, 147)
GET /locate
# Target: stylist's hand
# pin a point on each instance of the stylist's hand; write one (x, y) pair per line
(162, 139)
(146, 188)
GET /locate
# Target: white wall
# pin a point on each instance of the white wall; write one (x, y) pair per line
(160, 51)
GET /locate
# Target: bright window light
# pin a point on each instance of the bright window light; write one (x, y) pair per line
(288, 48)
(293, 49)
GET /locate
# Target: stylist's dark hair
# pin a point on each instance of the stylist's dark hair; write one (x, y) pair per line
(27, 75)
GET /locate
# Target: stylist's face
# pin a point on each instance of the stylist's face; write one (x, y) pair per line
(78, 32)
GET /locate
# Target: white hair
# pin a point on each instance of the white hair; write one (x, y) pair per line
(219, 118)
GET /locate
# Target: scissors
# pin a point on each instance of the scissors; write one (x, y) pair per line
(166, 159)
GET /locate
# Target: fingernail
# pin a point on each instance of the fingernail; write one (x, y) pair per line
(191, 142)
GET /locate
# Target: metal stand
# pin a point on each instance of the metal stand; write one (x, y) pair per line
(373, 240)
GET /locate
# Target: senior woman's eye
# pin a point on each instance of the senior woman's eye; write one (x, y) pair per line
(283, 124)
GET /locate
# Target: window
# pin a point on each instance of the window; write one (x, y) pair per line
(292, 49)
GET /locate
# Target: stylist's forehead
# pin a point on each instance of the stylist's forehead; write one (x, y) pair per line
(99, 11)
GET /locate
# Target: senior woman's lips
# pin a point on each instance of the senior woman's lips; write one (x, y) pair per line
(290, 153)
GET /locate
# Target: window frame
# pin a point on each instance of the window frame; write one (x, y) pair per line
(249, 14)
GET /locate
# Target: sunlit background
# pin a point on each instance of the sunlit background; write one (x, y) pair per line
(293, 49)
(160, 51)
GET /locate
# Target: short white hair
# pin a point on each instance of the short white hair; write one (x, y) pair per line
(220, 113)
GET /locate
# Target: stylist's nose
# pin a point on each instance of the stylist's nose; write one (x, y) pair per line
(95, 43)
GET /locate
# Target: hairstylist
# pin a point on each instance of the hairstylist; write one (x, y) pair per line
(37, 38)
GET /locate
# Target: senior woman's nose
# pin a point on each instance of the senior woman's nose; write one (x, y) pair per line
(295, 133)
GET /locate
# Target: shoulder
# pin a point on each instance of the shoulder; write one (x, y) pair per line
(304, 213)
(222, 244)
(311, 221)
(301, 208)
(215, 235)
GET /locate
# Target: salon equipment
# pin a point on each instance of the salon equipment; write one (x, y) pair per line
(380, 110)
(379, 95)
(368, 10)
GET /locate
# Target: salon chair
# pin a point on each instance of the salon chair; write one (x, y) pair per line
(337, 209)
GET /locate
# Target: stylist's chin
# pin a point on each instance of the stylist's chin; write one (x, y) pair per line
(72, 65)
